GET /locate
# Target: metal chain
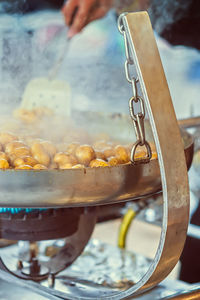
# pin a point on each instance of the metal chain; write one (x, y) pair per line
(137, 118)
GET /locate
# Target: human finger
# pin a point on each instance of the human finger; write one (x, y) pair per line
(82, 15)
(68, 10)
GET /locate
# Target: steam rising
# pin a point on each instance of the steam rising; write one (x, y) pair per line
(30, 45)
(93, 66)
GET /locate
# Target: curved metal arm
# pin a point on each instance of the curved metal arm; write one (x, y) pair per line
(169, 147)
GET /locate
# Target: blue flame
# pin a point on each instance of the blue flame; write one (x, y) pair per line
(15, 210)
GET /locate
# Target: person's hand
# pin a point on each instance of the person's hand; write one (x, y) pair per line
(78, 13)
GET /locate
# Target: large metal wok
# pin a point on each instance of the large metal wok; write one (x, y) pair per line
(89, 186)
(112, 184)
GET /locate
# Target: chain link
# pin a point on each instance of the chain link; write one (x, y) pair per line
(134, 87)
(137, 118)
(127, 50)
(132, 101)
(127, 71)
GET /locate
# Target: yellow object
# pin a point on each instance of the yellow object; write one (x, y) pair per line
(124, 227)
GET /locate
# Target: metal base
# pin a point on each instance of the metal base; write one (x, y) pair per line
(94, 282)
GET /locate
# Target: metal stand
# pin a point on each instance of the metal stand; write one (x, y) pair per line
(145, 56)
(169, 147)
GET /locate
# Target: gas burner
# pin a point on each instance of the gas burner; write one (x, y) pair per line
(75, 225)
(37, 225)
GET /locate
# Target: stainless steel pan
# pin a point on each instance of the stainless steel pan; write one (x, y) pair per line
(90, 186)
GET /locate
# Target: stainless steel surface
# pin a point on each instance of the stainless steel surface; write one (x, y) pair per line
(90, 186)
(10, 290)
(104, 275)
(169, 147)
(16, 289)
(190, 294)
